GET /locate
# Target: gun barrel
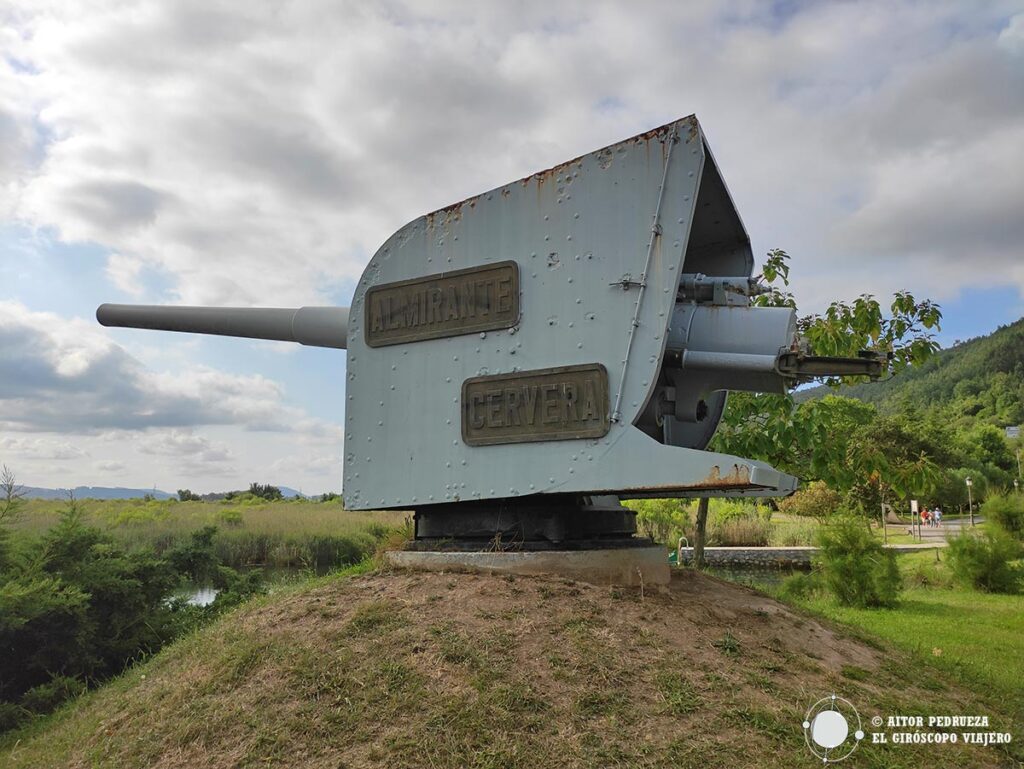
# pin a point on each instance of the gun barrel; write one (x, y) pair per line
(313, 326)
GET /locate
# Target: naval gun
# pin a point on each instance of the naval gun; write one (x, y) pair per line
(519, 362)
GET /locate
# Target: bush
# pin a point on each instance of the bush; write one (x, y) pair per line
(855, 567)
(55, 692)
(662, 520)
(265, 491)
(1007, 511)
(800, 585)
(816, 500)
(983, 560)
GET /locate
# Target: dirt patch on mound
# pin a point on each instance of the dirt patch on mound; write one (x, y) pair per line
(409, 669)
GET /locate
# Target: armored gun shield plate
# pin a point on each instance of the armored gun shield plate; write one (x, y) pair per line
(599, 245)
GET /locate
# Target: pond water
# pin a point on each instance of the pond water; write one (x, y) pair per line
(196, 594)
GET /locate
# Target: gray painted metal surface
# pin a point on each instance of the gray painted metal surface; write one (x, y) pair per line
(313, 326)
(572, 332)
(588, 236)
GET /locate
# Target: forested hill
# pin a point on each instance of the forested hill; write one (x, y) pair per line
(978, 381)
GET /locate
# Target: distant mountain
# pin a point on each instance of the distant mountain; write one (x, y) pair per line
(118, 492)
(94, 492)
(980, 380)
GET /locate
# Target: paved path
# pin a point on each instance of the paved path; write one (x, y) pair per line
(935, 535)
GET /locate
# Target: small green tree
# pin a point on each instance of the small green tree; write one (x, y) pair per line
(855, 567)
(186, 495)
(1007, 512)
(11, 499)
(265, 491)
(816, 500)
(984, 560)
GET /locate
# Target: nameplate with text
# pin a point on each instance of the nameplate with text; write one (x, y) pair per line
(452, 303)
(554, 404)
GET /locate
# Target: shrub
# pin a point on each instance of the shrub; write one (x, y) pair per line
(265, 491)
(983, 560)
(230, 517)
(855, 567)
(662, 520)
(800, 585)
(48, 696)
(1006, 510)
(816, 500)
(11, 715)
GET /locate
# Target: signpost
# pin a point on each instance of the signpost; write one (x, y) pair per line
(970, 503)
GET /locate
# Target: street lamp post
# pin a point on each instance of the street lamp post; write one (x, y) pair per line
(970, 502)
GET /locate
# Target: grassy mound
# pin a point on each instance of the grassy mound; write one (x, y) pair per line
(437, 670)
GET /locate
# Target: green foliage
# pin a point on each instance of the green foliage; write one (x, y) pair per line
(186, 495)
(196, 558)
(816, 500)
(44, 626)
(663, 520)
(77, 608)
(265, 491)
(855, 567)
(740, 531)
(11, 502)
(980, 382)
(88, 592)
(1006, 511)
(889, 459)
(53, 693)
(984, 560)
(800, 586)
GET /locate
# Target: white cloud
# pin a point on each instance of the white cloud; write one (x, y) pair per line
(258, 154)
(67, 375)
(41, 448)
(110, 466)
(67, 392)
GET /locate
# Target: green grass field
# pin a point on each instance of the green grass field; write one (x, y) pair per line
(974, 637)
(251, 532)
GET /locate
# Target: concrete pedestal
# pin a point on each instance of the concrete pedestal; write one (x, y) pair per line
(619, 566)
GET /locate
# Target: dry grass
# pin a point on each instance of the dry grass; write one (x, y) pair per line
(439, 670)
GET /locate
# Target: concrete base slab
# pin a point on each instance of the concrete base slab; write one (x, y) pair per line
(620, 566)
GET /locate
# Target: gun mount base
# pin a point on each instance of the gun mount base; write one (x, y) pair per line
(627, 566)
(537, 522)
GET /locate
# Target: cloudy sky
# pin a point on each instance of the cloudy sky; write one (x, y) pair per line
(207, 152)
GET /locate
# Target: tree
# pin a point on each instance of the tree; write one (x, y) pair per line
(808, 440)
(888, 460)
(11, 495)
(265, 491)
(11, 499)
(817, 500)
